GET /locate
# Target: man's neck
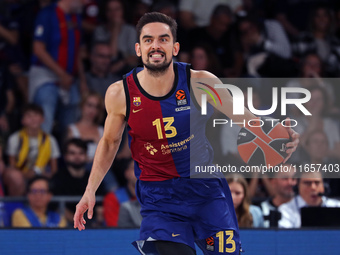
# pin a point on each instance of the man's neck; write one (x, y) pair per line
(97, 73)
(76, 173)
(279, 200)
(39, 211)
(157, 86)
(32, 132)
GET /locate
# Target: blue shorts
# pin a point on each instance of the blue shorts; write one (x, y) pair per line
(188, 210)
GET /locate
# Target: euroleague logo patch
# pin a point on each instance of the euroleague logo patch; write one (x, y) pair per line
(181, 97)
(210, 243)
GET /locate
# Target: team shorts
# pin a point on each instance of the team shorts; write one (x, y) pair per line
(188, 211)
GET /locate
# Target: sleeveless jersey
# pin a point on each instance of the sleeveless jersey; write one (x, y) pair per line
(161, 140)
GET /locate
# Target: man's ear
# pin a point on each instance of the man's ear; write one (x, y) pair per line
(176, 49)
(137, 49)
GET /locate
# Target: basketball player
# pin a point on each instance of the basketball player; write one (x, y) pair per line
(177, 210)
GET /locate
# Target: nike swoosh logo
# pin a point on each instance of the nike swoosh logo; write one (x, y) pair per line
(174, 235)
(134, 111)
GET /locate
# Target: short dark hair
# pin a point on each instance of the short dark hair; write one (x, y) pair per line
(38, 178)
(33, 108)
(152, 17)
(222, 9)
(76, 142)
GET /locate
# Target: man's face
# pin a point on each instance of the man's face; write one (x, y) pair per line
(32, 120)
(114, 11)
(310, 186)
(76, 5)
(101, 58)
(283, 184)
(39, 195)
(75, 155)
(156, 47)
(221, 23)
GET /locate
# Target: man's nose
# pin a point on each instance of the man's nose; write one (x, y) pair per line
(155, 44)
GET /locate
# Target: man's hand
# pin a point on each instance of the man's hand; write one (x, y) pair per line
(295, 140)
(85, 204)
(65, 81)
(4, 126)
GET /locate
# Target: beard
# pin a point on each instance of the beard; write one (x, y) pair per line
(159, 68)
(76, 166)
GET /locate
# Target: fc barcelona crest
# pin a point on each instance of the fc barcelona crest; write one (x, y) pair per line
(136, 101)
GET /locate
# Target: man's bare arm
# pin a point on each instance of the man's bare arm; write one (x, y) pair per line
(227, 100)
(106, 150)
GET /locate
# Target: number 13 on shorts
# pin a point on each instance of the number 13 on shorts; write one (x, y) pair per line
(223, 242)
(226, 242)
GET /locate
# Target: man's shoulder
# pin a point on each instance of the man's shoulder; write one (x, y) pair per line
(288, 206)
(115, 90)
(254, 209)
(14, 135)
(197, 74)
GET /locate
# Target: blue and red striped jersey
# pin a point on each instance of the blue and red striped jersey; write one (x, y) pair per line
(162, 138)
(61, 34)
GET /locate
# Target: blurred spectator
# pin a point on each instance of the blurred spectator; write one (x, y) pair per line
(311, 189)
(317, 147)
(9, 32)
(204, 58)
(139, 8)
(25, 14)
(56, 60)
(72, 177)
(2, 168)
(311, 72)
(10, 49)
(197, 13)
(114, 200)
(90, 18)
(318, 107)
(166, 7)
(170, 9)
(282, 185)
(294, 14)
(247, 7)
(120, 35)
(247, 215)
(265, 44)
(100, 77)
(7, 99)
(129, 211)
(320, 39)
(31, 152)
(36, 214)
(337, 23)
(88, 128)
(219, 36)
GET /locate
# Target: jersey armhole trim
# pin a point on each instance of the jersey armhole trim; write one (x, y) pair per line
(127, 98)
(192, 95)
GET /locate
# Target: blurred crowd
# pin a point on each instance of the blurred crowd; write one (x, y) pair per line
(57, 58)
